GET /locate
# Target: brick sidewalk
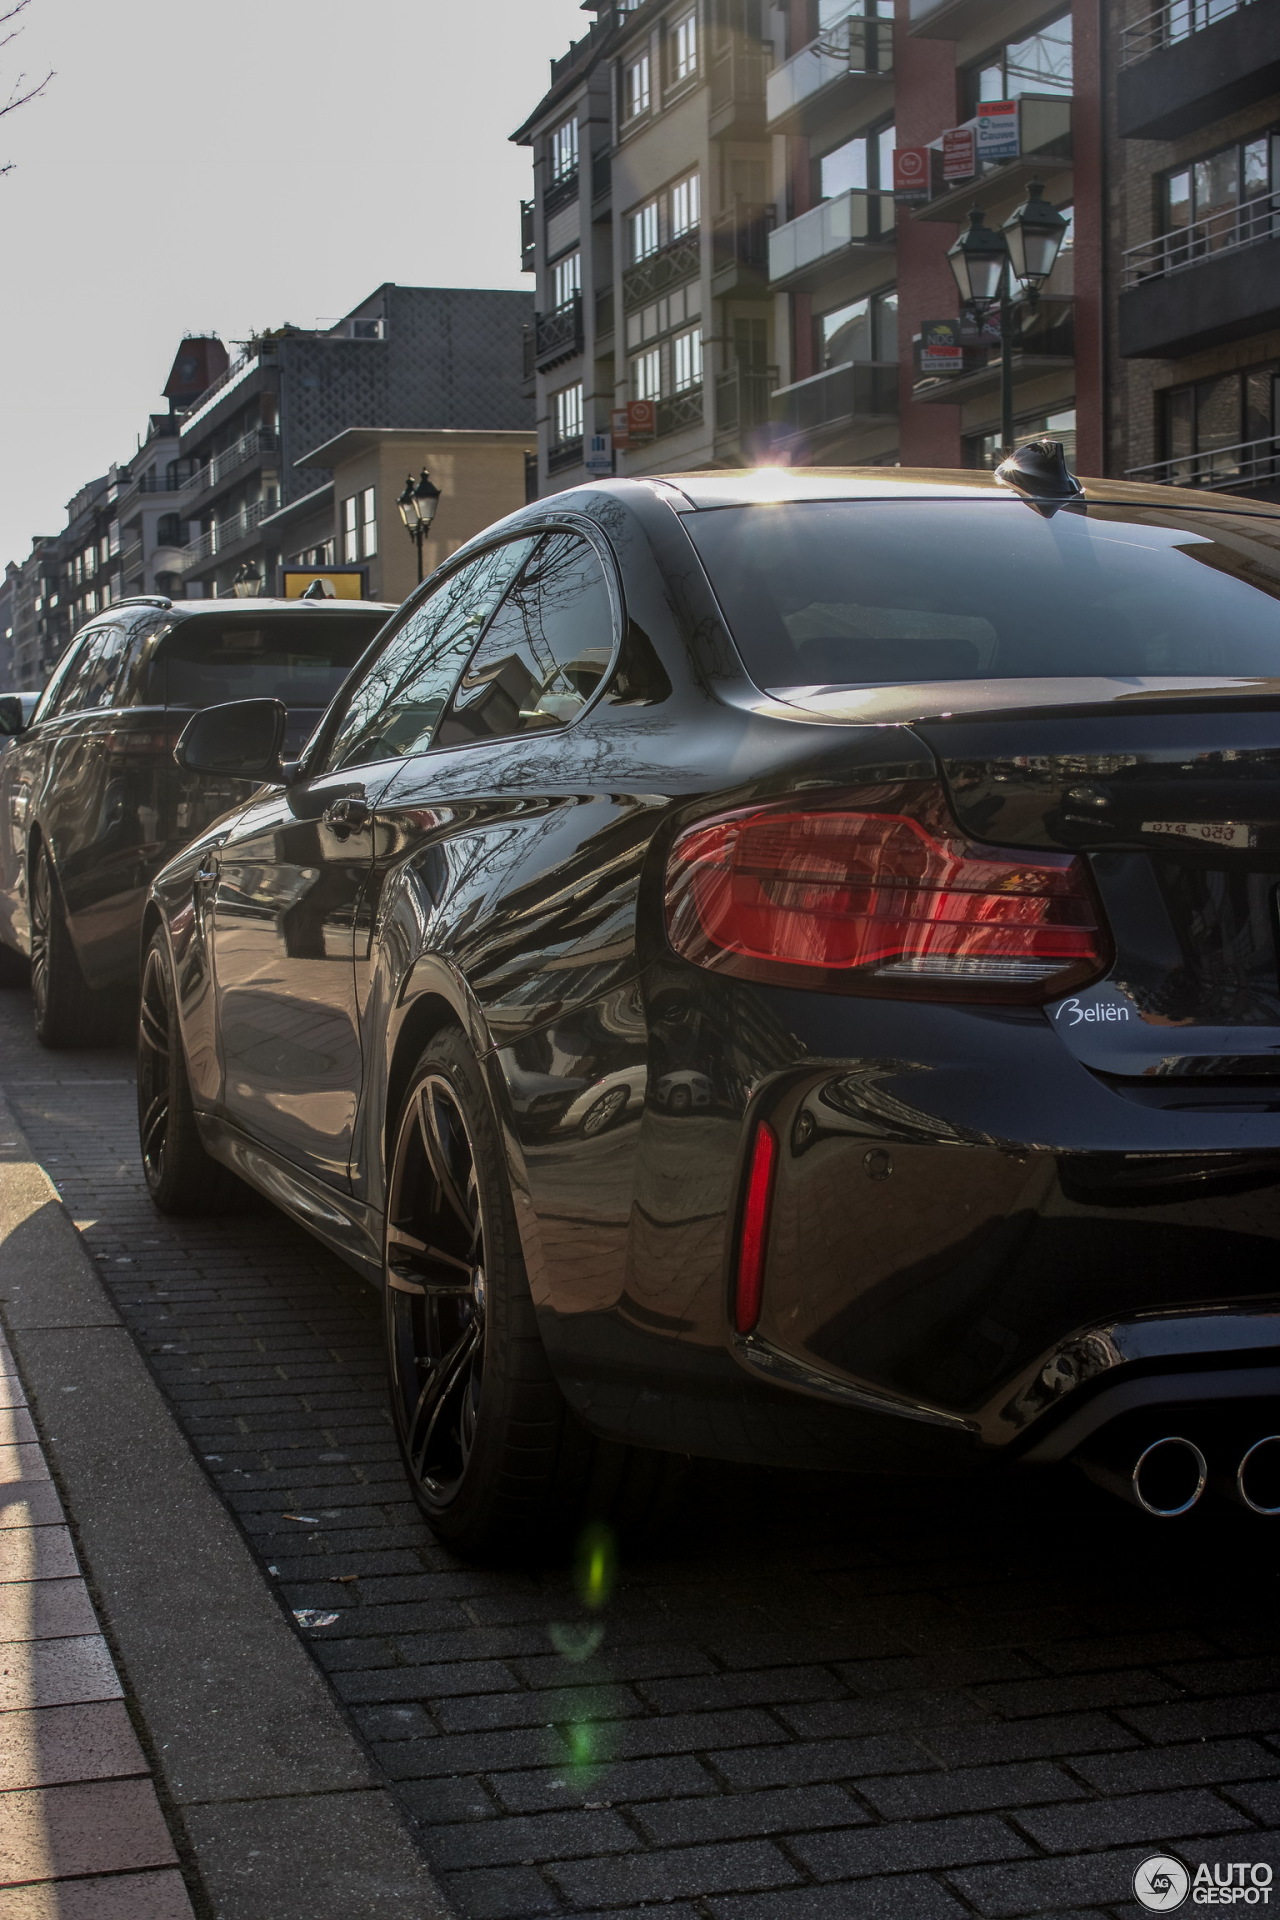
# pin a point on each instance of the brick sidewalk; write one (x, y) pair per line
(82, 1836)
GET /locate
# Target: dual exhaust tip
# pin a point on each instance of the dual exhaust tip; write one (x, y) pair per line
(1171, 1474)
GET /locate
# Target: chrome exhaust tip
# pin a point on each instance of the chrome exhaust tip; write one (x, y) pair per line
(1258, 1476)
(1169, 1477)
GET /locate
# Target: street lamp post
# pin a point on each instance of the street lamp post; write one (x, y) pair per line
(418, 506)
(986, 263)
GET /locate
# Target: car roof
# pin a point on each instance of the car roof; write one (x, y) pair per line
(194, 609)
(756, 486)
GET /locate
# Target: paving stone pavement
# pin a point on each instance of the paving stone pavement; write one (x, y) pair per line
(813, 1699)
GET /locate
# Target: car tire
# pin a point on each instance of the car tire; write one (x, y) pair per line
(181, 1177)
(498, 1463)
(602, 1113)
(15, 968)
(68, 1012)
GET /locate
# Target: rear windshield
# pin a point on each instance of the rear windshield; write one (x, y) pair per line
(852, 593)
(292, 657)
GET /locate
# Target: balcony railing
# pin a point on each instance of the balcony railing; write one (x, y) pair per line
(861, 389)
(862, 49)
(528, 236)
(740, 236)
(680, 411)
(1220, 232)
(158, 482)
(131, 559)
(1250, 463)
(564, 453)
(241, 451)
(560, 193)
(1173, 21)
(742, 398)
(558, 335)
(678, 261)
(853, 219)
(219, 538)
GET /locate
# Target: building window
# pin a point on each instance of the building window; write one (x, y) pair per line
(369, 523)
(646, 375)
(684, 48)
(686, 204)
(863, 163)
(564, 151)
(1213, 188)
(985, 449)
(566, 281)
(566, 414)
(1040, 63)
(686, 360)
(1229, 410)
(351, 529)
(642, 231)
(636, 88)
(866, 329)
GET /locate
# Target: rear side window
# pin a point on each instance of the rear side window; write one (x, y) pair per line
(852, 593)
(94, 673)
(290, 657)
(394, 708)
(547, 649)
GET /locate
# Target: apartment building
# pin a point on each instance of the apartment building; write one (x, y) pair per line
(152, 492)
(1194, 255)
(407, 356)
(647, 235)
(8, 627)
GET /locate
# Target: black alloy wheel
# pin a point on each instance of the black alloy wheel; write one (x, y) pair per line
(603, 1112)
(181, 1177)
(68, 1013)
(497, 1461)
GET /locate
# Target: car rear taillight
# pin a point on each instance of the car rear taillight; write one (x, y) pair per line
(754, 1230)
(889, 899)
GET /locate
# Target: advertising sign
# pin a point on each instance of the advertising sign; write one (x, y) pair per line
(621, 438)
(337, 583)
(642, 420)
(959, 154)
(911, 173)
(940, 347)
(599, 454)
(998, 132)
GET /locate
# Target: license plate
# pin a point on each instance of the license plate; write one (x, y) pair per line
(1217, 833)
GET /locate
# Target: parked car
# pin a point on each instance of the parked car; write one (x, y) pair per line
(91, 802)
(930, 819)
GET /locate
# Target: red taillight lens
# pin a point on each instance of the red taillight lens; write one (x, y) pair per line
(889, 902)
(754, 1231)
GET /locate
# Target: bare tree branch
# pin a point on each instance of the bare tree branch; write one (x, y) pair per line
(20, 95)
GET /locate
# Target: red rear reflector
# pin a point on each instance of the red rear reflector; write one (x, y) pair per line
(889, 902)
(755, 1229)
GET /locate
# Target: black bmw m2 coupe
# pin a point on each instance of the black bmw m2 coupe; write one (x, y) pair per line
(777, 966)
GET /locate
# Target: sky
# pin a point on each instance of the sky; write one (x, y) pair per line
(226, 168)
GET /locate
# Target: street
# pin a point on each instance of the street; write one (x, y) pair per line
(811, 1697)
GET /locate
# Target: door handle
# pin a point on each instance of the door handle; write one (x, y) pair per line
(351, 814)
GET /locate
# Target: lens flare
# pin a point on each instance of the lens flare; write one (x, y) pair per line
(597, 1566)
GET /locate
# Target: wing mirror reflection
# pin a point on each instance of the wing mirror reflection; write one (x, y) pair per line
(12, 718)
(242, 739)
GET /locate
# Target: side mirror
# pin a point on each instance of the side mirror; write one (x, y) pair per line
(242, 739)
(12, 719)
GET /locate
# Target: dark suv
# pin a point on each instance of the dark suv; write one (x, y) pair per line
(91, 801)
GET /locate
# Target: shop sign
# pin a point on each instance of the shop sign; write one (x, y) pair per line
(959, 154)
(911, 173)
(998, 132)
(940, 347)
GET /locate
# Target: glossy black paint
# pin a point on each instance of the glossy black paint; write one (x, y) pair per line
(99, 788)
(992, 1225)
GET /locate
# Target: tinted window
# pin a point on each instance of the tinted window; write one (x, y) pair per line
(394, 709)
(291, 657)
(92, 679)
(62, 671)
(546, 651)
(850, 593)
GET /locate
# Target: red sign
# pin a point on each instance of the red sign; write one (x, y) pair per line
(959, 154)
(642, 419)
(911, 173)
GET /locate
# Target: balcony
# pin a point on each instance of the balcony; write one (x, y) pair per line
(861, 393)
(528, 237)
(1044, 136)
(1214, 281)
(131, 560)
(675, 263)
(229, 534)
(208, 478)
(1191, 62)
(743, 395)
(565, 453)
(949, 19)
(829, 75)
(740, 248)
(1250, 463)
(738, 74)
(561, 193)
(1045, 344)
(680, 411)
(803, 253)
(557, 336)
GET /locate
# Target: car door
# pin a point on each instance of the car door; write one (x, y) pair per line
(288, 884)
(21, 772)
